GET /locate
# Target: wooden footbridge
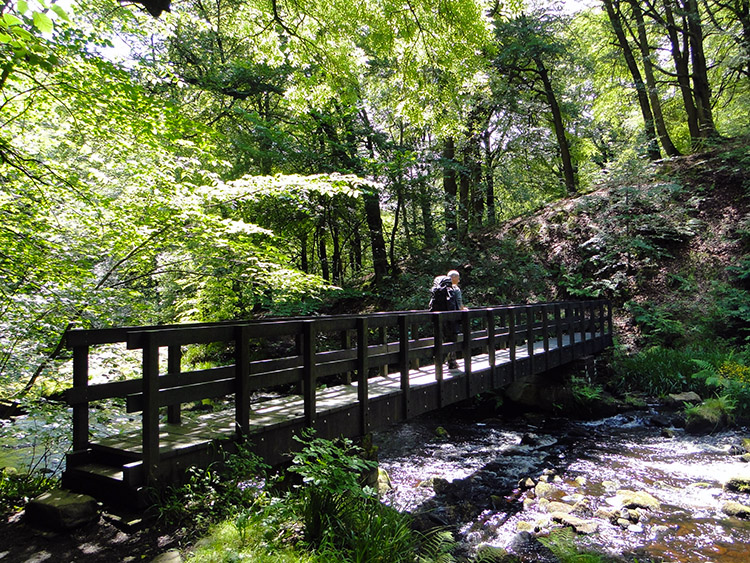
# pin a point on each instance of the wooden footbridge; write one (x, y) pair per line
(342, 375)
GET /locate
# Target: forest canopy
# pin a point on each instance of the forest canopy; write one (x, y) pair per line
(232, 158)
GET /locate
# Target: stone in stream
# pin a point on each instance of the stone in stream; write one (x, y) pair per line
(731, 508)
(680, 399)
(580, 525)
(738, 484)
(634, 499)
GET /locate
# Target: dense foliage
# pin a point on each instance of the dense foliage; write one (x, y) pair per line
(230, 159)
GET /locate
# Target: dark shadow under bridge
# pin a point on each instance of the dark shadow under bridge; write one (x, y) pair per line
(341, 375)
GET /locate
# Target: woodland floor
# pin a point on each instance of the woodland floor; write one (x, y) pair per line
(98, 542)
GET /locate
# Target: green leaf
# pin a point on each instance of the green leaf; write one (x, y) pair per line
(60, 12)
(22, 7)
(43, 23)
(10, 19)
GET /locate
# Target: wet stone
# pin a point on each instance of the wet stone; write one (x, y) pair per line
(740, 484)
(732, 508)
(635, 499)
(580, 525)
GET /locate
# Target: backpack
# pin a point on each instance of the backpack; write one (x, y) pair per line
(442, 297)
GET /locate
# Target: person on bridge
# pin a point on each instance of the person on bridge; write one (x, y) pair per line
(452, 327)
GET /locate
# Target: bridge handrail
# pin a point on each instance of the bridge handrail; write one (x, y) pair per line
(527, 323)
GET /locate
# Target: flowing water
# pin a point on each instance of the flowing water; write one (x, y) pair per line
(469, 479)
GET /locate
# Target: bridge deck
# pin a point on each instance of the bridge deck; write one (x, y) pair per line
(497, 346)
(266, 415)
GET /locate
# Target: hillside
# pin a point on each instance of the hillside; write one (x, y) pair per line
(669, 243)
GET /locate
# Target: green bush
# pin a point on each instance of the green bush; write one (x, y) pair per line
(16, 489)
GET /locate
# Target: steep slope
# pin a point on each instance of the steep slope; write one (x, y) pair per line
(668, 243)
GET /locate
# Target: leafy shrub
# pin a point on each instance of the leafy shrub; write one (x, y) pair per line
(213, 493)
(659, 370)
(728, 377)
(16, 489)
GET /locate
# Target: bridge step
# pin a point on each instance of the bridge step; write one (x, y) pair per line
(117, 485)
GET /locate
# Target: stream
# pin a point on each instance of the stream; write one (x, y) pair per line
(480, 478)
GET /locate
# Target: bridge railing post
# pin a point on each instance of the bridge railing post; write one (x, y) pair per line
(558, 327)
(466, 348)
(545, 334)
(242, 381)
(81, 411)
(512, 341)
(362, 373)
(150, 413)
(309, 381)
(437, 331)
(530, 336)
(174, 366)
(403, 354)
(491, 344)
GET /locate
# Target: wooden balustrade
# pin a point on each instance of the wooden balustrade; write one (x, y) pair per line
(322, 348)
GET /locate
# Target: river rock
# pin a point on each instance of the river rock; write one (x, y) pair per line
(738, 484)
(580, 525)
(543, 490)
(680, 399)
(732, 508)
(60, 509)
(605, 514)
(555, 506)
(634, 499)
(698, 424)
(745, 457)
(746, 444)
(384, 481)
(171, 556)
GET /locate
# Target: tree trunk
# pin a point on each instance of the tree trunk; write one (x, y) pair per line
(377, 240)
(569, 174)
(648, 70)
(489, 178)
(614, 15)
(323, 252)
(450, 187)
(701, 87)
(680, 59)
(304, 266)
(374, 219)
(428, 223)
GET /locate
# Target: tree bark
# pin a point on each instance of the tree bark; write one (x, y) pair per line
(682, 68)
(701, 87)
(613, 12)
(648, 70)
(450, 187)
(569, 174)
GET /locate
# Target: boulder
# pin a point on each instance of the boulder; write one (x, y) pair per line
(61, 510)
(738, 484)
(543, 490)
(171, 556)
(681, 399)
(580, 525)
(634, 499)
(732, 508)
(705, 420)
